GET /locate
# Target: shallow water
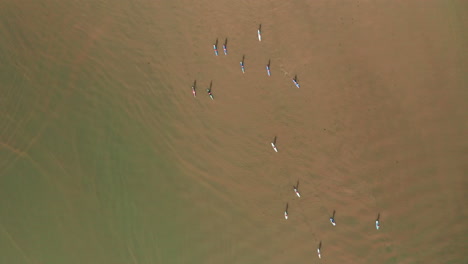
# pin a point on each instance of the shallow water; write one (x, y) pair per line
(106, 157)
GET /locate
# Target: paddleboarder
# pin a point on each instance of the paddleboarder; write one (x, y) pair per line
(296, 191)
(295, 81)
(194, 92)
(377, 222)
(209, 93)
(259, 32)
(286, 212)
(268, 68)
(332, 218)
(273, 144)
(225, 47)
(242, 64)
(215, 47)
(318, 250)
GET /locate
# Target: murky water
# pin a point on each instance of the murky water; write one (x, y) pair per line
(106, 157)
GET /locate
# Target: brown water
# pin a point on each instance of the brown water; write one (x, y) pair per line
(106, 157)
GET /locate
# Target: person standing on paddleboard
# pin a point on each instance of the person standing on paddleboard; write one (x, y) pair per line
(296, 82)
(296, 191)
(273, 144)
(215, 47)
(209, 93)
(194, 89)
(319, 253)
(377, 222)
(286, 212)
(242, 64)
(268, 68)
(225, 47)
(259, 32)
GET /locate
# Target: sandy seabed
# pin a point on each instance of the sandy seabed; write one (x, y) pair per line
(377, 127)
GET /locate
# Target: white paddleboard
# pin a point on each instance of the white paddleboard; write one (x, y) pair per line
(274, 147)
(318, 252)
(332, 221)
(259, 33)
(297, 192)
(296, 83)
(286, 215)
(377, 224)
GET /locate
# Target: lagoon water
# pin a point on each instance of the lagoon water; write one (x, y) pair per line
(106, 157)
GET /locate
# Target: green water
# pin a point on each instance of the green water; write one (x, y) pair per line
(85, 173)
